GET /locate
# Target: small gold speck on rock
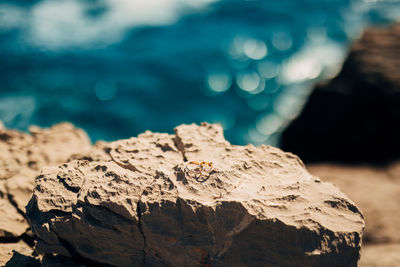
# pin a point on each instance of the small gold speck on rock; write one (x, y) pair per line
(199, 170)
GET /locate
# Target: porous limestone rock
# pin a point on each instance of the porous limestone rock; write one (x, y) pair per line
(132, 203)
(22, 155)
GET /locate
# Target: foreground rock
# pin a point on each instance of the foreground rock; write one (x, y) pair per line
(355, 116)
(377, 192)
(22, 156)
(10, 257)
(132, 203)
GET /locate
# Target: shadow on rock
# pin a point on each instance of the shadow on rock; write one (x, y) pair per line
(19, 260)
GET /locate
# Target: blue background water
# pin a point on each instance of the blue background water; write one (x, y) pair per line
(117, 68)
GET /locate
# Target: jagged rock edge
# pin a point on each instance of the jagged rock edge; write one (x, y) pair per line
(64, 243)
(73, 253)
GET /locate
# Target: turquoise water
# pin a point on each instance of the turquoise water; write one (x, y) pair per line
(117, 68)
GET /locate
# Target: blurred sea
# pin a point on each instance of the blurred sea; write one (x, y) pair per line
(119, 67)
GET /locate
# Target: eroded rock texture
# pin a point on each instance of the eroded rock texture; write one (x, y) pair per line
(131, 203)
(377, 192)
(22, 156)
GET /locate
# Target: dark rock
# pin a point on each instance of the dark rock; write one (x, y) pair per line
(20, 260)
(15, 254)
(356, 116)
(59, 261)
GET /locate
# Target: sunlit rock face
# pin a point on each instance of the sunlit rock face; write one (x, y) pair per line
(355, 116)
(22, 156)
(377, 192)
(135, 202)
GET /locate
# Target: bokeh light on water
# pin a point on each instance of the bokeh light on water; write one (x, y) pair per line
(117, 68)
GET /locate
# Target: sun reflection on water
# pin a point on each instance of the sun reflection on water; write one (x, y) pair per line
(248, 65)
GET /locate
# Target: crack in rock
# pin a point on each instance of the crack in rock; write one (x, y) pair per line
(141, 232)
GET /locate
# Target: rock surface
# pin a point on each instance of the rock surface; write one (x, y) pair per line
(377, 192)
(133, 203)
(12, 223)
(355, 116)
(22, 156)
(8, 251)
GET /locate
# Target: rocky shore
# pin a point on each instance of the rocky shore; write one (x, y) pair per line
(193, 199)
(133, 203)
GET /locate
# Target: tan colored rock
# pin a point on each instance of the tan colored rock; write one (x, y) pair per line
(12, 224)
(23, 155)
(375, 190)
(7, 251)
(133, 203)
